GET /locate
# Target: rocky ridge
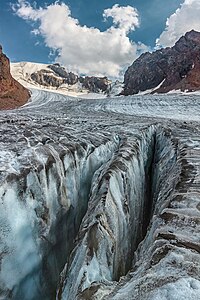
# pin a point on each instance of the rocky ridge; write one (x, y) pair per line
(56, 77)
(176, 68)
(12, 93)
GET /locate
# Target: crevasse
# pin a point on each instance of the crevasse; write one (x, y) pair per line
(83, 209)
(41, 210)
(123, 199)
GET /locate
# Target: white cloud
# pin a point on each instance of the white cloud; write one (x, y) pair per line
(125, 17)
(83, 49)
(186, 18)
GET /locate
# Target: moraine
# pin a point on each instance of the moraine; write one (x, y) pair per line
(100, 199)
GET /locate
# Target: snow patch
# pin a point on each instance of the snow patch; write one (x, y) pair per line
(146, 92)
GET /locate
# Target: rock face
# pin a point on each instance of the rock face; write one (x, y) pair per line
(45, 78)
(12, 93)
(57, 76)
(176, 68)
(100, 199)
(95, 84)
(70, 77)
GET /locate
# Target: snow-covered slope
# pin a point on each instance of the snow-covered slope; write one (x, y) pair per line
(42, 76)
(100, 198)
(22, 72)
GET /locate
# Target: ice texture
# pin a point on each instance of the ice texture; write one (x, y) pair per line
(100, 198)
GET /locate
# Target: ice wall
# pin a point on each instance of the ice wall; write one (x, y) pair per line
(42, 206)
(97, 215)
(166, 264)
(122, 202)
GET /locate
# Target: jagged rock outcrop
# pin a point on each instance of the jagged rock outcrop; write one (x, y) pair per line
(95, 84)
(57, 76)
(47, 79)
(70, 78)
(176, 68)
(12, 93)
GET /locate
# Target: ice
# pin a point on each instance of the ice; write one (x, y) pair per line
(184, 288)
(18, 240)
(100, 198)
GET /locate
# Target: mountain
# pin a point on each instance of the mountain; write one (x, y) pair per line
(165, 70)
(12, 93)
(56, 78)
(99, 199)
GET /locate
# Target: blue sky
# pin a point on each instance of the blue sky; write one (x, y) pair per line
(90, 31)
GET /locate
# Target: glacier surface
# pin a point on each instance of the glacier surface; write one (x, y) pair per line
(100, 198)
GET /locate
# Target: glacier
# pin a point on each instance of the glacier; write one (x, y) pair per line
(100, 198)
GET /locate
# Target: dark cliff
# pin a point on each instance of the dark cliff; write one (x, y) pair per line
(12, 93)
(176, 68)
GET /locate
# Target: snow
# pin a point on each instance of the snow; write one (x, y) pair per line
(116, 88)
(22, 71)
(146, 92)
(161, 106)
(183, 93)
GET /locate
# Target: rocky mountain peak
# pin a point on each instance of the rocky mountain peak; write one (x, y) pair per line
(57, 76)
(12, 93)
(193, 35)
(175, 68)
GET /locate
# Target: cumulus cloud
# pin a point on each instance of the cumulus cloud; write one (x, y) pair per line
(125, 17)
(186, 18)
(85, 49)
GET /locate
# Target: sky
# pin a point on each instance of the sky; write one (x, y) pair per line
(93, 37)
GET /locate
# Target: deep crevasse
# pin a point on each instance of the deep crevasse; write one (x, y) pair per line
(37, 236)
(41, 210)
(120, 208)
(127, 181)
